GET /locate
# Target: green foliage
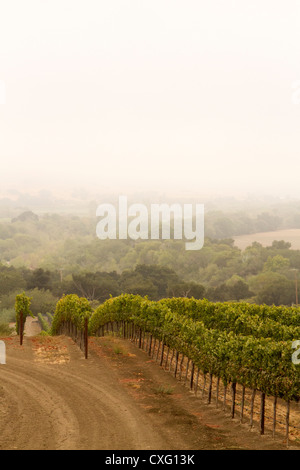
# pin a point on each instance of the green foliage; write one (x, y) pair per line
(237, 342)
(5, 329)
(276, 264)
(50, 317)
(95, 286)
(68, 259)
(164, 390)
(71, 308)
(22, 304)
(45, 333)
(11, 280)
(278, 323)
(39, 279)
(273, 288)
(43, 301)
(44, 324)
(7, 315)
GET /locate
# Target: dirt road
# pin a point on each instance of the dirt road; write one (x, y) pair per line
(52, 398)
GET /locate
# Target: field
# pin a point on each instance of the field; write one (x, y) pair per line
(207, 376)
(52, 398)
(266, 238)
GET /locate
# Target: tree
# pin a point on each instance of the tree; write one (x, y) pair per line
(96, 286)
(40, 279)
(273, 288)
(160, 276)
(27, 216)
(240, 290)
(281, 245)
(276, 264)
(11, 280)
(42, 301)
(220, 293)
(186, 289)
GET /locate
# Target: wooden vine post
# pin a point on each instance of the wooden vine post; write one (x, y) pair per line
(252, 407)
(210, 388)
(243, 402)
(233, 388)
(262, 413)
(86, 337)
(288, 408)
(197, 381)
(217, 392)
(274, 417)
(176, 364)
(192, 376)
(21, 328)
(225, 397)
(162, 353)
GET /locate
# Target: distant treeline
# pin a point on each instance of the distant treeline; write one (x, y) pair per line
(69, 243)
(262, 275)
(53, 255)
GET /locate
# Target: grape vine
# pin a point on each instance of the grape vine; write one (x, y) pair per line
(22, 304)
(223, 348)
(237, 342)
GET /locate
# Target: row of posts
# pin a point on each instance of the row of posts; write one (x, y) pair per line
(69, 329)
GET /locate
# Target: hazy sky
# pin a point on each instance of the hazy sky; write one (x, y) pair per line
(157, 94)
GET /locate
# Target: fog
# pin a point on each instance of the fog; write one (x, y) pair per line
(188, 98)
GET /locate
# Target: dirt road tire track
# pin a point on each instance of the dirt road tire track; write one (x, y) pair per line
(65, 410)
